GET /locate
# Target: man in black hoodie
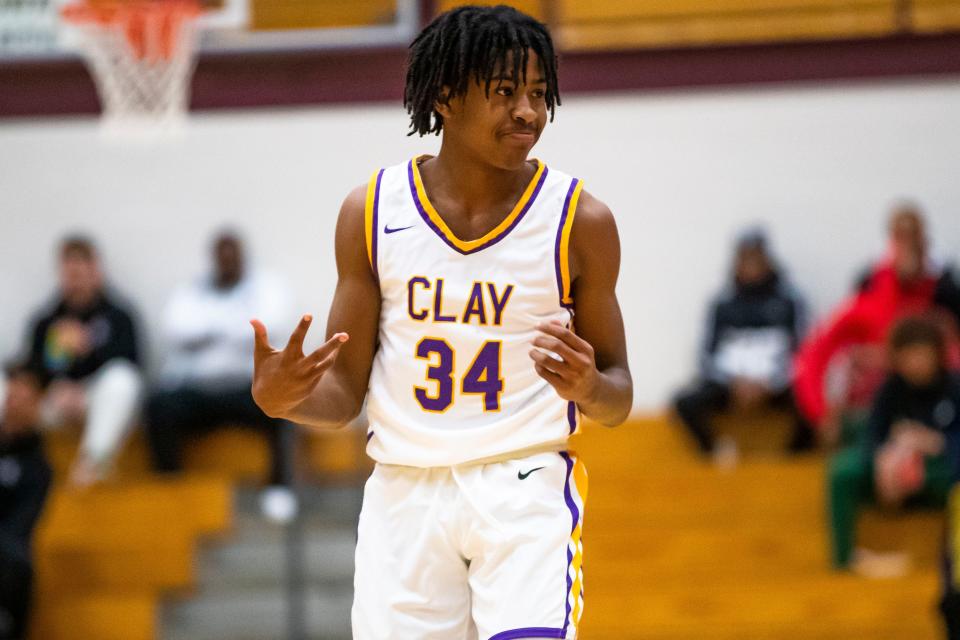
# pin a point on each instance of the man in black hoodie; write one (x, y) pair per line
(24, 481)
(753, 329)
(86, 342)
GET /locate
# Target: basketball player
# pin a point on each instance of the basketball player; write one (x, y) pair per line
(460, 277)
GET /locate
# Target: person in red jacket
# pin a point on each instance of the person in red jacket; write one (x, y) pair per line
(901, 284)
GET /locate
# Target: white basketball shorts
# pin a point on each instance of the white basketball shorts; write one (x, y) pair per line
(483, 551)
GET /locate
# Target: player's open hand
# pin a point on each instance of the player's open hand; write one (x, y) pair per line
(574, 375)
(282, 380)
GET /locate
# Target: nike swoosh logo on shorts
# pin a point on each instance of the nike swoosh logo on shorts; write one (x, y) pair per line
(387, 229)
(523, 476)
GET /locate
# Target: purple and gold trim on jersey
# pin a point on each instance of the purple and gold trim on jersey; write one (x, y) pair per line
(573, 417)
(435, 222)
(371, 214)
(575, 495)
(529, 632)
(561, 254)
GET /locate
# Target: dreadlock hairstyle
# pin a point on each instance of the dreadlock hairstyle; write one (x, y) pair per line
(472, 44)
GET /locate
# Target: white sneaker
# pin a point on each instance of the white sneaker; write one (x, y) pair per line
(880, 565)
(726, 455)
(279, 505)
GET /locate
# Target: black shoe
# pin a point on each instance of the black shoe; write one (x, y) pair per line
(803, 440)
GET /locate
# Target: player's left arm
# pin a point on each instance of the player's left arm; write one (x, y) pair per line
(594, 372)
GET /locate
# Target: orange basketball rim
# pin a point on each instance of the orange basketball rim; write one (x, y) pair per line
(151, 28)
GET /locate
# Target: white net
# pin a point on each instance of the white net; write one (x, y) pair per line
(142, 62)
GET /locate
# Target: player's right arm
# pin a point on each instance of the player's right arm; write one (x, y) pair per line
(326, 388)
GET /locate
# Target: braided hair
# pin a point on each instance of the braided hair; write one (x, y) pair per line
(472, 43)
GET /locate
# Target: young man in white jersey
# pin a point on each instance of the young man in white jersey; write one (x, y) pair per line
(459, 278)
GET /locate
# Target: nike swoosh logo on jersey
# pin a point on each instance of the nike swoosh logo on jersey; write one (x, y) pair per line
(387, 229)
(523, 476)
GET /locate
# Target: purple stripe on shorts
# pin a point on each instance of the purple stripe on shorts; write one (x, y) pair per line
(369, 436)
(556, 249)
(530, 632)
(568, 496)
(496, 239)
(374, 232)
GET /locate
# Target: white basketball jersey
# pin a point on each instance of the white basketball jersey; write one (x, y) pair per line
(452, 379)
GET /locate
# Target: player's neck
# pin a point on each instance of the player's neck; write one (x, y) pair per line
(466, 178)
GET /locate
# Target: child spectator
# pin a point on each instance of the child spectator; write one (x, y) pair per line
(903, 455)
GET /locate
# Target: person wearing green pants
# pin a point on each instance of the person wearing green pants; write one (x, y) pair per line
(899, 455)
(851, 485)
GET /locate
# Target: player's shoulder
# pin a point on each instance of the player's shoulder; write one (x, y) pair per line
(593, 210)
(351, 225)
(594, 220)
(355, 201)
(358, 198)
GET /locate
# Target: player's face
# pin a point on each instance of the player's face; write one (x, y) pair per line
(504, 126)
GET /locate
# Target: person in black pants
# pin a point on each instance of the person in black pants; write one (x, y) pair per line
(178, 413)
(753, 330)
(205, 381)
(24, 482)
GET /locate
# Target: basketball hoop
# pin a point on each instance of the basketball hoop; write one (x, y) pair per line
(141, 54)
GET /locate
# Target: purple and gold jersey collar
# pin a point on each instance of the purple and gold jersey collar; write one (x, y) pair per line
(498, 233)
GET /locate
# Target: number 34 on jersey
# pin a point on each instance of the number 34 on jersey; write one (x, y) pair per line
(485, 306)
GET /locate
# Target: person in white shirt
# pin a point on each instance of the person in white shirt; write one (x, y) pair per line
(205, 380)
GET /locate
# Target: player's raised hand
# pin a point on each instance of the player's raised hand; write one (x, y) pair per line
(283, 379)
(575, 375)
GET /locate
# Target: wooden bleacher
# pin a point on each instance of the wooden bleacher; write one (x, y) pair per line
(106, 556)
(676, 549)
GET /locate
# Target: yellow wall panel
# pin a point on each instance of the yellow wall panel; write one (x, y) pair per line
(581, 10)
(706, 31)
(535, 8)
(316, 14)
(931, 16)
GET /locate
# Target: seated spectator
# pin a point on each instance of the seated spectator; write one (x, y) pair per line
(903, 454)
(205, 381)
(899, 285)
(753, 329)
(86, 342)
(24, 481)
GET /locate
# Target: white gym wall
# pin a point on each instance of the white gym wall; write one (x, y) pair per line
(682, 171)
